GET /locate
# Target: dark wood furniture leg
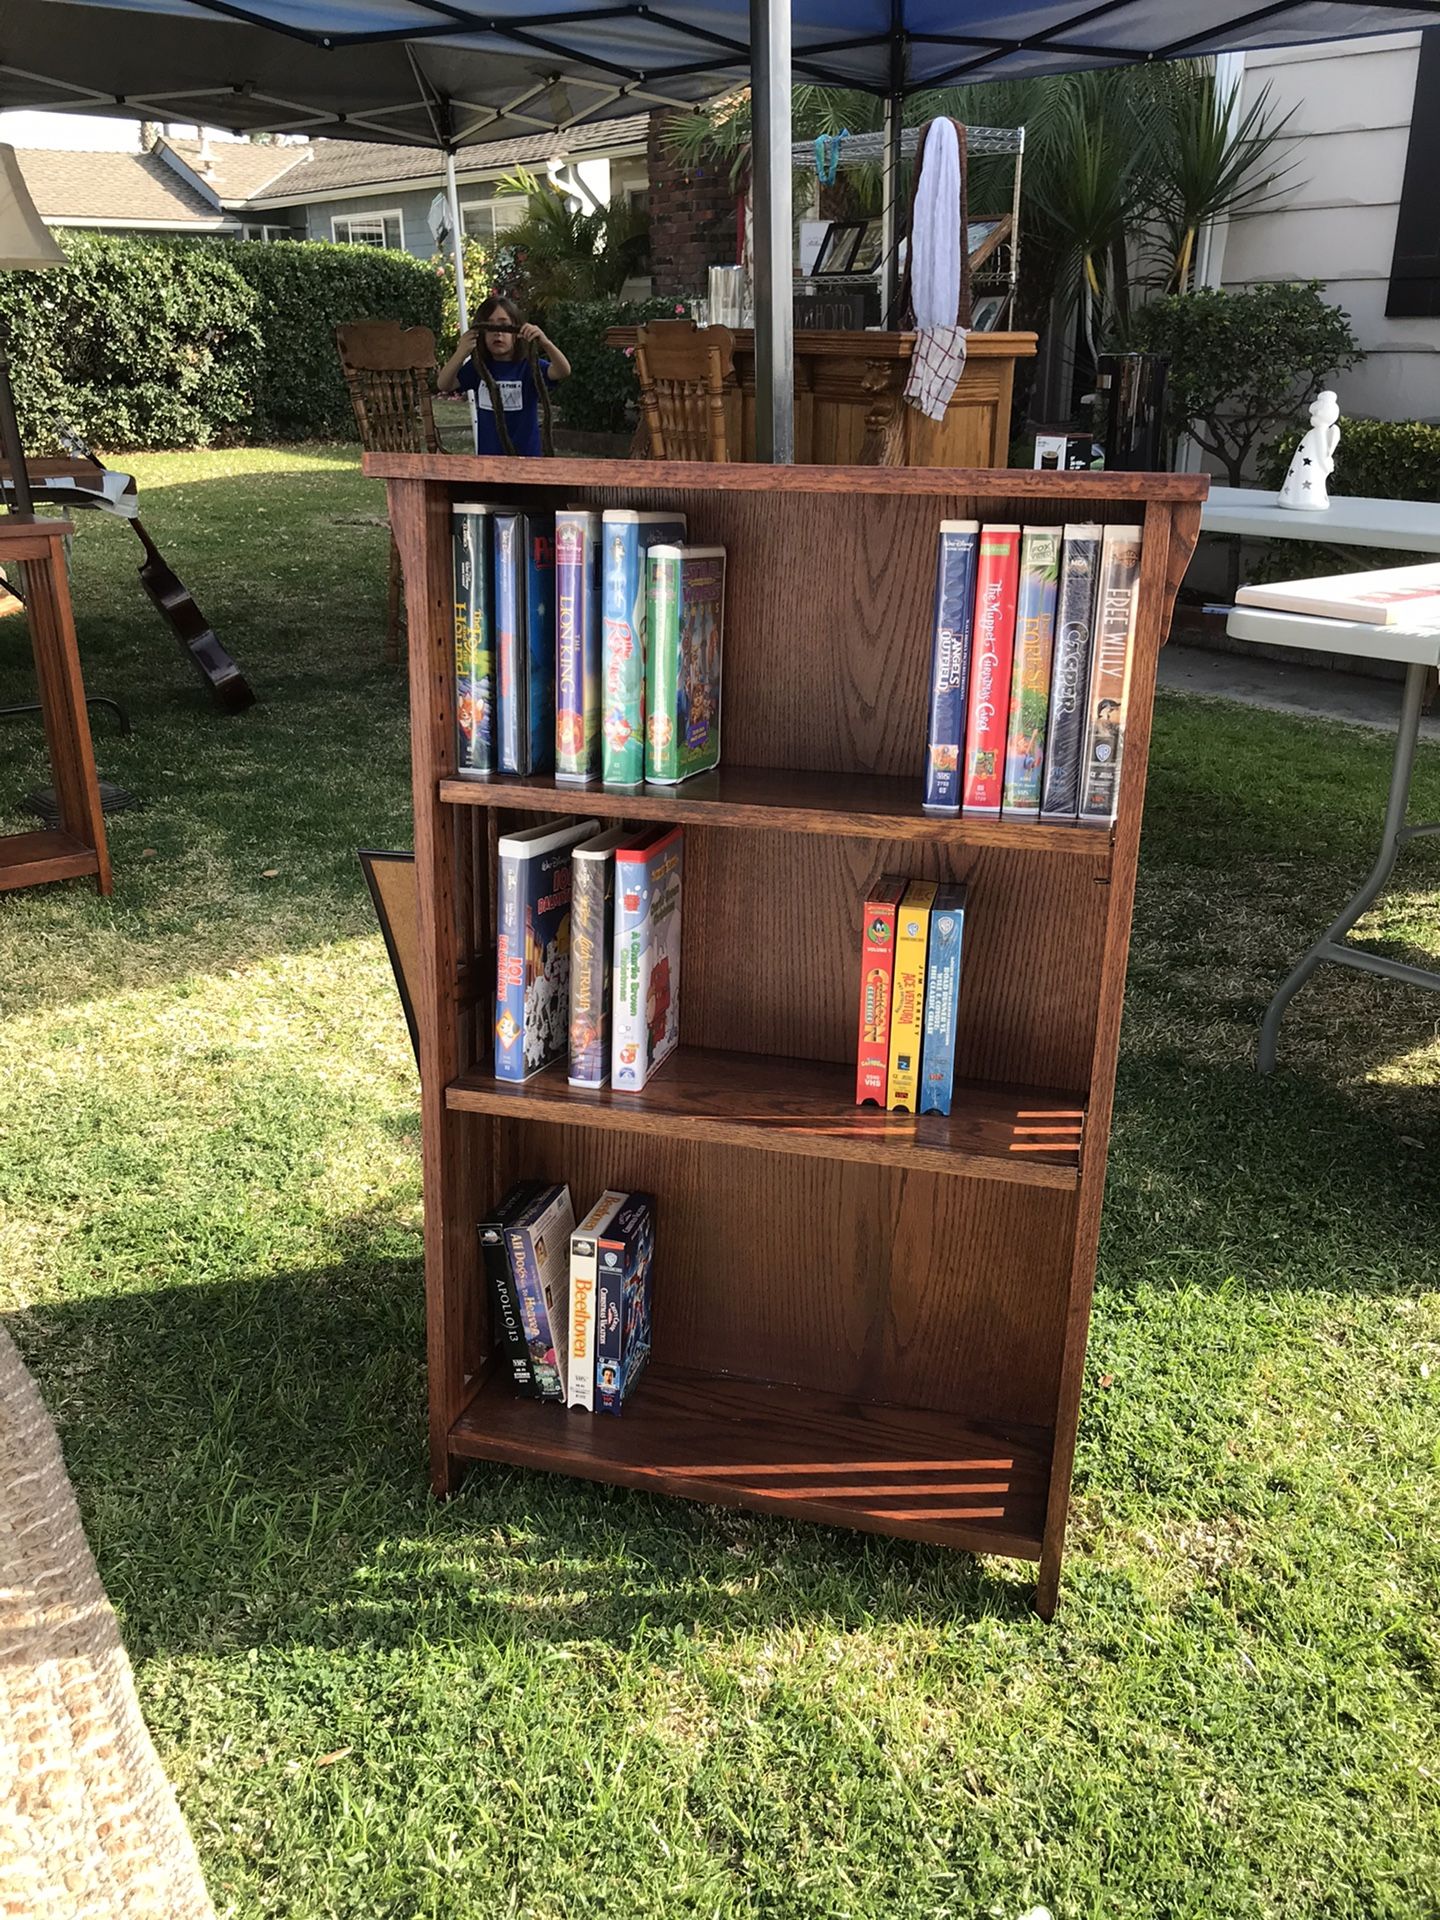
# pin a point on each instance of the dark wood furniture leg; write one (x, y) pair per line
(77, 847)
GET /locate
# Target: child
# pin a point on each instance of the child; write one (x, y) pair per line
(501, 375)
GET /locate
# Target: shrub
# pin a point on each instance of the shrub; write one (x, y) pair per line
(601, 394)
(1243, 365)
(490, 267)
(1386, 459)
(133, 343)
(304, 292)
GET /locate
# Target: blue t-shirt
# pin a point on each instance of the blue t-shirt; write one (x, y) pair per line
(519, 396)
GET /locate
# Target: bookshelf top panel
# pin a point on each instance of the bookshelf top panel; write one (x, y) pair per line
(1007, 483)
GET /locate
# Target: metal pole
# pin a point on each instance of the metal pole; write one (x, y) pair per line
(457, 242)
(1393, 836)
(774, 237)
(890, 212)
(1229, 75)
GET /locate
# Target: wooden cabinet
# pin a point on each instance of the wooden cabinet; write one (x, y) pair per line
(848, 407)
(860, 1318)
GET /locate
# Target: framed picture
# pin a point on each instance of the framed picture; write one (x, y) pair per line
(982, 237)
(837, 249)
(391, 880)
(986, 311)
(867, 254)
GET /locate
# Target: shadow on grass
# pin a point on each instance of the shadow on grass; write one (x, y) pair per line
(1217, 1172)
(251, 1465)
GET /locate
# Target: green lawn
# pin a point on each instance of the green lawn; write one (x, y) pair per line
(551, 1700)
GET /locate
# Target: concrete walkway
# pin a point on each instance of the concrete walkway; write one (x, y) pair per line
(1311, 693)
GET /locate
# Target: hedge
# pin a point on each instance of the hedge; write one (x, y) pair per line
(133, 343)
(141, 342)
(1384, 459)
(601, 394)
(304, 292)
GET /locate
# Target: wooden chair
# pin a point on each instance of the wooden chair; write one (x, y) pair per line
(684, 371)
(388, 373)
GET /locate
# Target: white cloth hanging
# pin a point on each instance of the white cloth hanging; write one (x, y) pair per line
(935, 241)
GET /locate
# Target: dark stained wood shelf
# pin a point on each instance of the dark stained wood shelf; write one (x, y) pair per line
(860, 1318)
(806, 1106)
(779, 799)
(31, 859)
(787, 1450)
(1051, 489)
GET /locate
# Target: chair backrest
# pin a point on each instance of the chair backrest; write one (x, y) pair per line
(388, 370)
(684, 371)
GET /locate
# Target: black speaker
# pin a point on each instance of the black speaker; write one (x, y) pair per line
(1133, 385)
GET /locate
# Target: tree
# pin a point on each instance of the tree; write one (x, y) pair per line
(1242, 365)
(571, 253)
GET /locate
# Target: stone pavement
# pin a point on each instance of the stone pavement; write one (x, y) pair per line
(1311, 693)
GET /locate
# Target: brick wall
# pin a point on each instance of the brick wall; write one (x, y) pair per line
(692, 219)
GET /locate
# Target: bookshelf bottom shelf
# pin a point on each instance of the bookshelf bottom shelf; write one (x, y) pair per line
(910, 1472)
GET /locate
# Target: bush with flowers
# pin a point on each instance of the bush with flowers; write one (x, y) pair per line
(601, 395)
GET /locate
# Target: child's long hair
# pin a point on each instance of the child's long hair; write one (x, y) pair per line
(500, 303)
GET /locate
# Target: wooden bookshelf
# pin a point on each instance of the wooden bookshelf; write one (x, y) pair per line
(862, 1319)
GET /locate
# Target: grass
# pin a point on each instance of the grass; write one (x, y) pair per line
(551, 1700)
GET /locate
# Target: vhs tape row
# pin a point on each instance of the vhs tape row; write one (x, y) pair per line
(1030, 671)
(587, 645)
(587, 960)
(572, 1299)
(911, 947)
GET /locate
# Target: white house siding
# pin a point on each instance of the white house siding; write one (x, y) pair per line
(1333, 218)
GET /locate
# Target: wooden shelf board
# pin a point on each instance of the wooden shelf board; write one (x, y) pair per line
(861, 806)
(787, 1450)
(29, 859)
(1022, 1134)
(736, 476)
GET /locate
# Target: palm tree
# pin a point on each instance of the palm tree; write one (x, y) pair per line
(570, 252)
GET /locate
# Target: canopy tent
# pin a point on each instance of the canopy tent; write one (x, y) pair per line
(451, 73)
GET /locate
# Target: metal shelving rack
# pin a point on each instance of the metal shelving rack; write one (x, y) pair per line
(1000, 271)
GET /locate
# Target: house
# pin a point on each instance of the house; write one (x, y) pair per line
(382, 196)
(1360, 207)
(365, 193)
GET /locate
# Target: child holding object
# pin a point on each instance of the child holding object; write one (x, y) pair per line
(510, 367)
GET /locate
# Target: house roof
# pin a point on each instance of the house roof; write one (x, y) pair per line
(236, 169)
(138, 189)
(339, 166)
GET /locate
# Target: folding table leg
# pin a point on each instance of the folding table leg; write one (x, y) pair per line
(1394, 835)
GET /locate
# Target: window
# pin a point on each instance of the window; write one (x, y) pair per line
(1414, 292)
(483, 219)
(266, 233)
(369, 229)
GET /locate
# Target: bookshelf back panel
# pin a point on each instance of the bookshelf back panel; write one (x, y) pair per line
(829, 607)
(771, 948)
(916, 1289)
(771, 957)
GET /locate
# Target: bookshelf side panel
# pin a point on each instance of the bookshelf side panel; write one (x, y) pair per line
(452, 921)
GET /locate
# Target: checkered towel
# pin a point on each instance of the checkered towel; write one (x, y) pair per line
(935, 370)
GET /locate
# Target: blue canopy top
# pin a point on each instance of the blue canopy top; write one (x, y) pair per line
(450, 73)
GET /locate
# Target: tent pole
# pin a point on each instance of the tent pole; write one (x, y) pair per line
(889, 213)
(457, 242)
(774, 233)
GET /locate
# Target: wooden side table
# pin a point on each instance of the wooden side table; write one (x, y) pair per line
(77, 847)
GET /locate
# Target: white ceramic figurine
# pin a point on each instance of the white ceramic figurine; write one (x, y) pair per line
(1314, 459)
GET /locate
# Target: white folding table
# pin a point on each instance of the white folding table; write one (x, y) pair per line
(1414, 527)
